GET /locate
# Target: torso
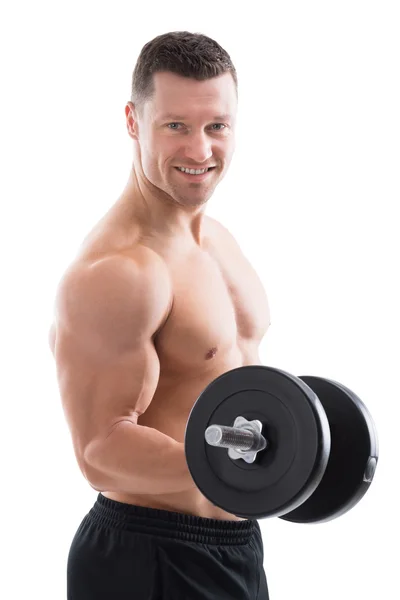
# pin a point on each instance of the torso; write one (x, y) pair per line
(218, 318)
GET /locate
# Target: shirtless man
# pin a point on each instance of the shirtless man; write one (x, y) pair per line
(158, 303)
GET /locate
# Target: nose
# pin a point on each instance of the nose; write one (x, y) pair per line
(198, 147)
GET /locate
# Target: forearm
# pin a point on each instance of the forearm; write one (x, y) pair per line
(137, 460)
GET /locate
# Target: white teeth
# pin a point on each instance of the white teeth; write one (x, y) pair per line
(193, 171)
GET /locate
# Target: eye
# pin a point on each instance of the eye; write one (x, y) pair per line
(216, 126)
(219, 125)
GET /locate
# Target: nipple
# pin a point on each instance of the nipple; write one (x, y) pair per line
(211, 353)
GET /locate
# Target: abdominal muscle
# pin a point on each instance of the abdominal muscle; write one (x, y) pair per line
(168, 412)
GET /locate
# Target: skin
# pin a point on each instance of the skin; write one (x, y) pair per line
(158, 303)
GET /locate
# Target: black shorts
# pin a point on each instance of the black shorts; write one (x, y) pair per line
(126, 552)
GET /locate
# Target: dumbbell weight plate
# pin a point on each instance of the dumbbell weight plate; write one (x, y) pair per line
(295, 425)
(353, 456)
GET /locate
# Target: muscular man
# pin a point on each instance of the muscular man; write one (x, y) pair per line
(159, 302)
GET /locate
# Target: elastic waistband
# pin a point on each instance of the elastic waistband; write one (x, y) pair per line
(154, 521)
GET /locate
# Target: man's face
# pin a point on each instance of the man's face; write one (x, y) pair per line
(190, 124)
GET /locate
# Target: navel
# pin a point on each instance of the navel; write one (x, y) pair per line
(211, 353)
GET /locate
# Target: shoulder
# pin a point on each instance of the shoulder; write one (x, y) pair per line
(218, 235)
(115, 267)
(116, 283)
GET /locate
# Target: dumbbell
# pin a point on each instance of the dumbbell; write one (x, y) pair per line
(260, 443)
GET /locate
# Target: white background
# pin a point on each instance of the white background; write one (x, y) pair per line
(311, 196)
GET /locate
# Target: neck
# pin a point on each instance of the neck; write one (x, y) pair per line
(157, 213)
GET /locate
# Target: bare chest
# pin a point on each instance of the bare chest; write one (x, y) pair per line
(217, 304)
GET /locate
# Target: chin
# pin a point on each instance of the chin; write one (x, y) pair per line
(192, 202)
(189, 199)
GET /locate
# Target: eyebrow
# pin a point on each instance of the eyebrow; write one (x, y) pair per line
(225, 117)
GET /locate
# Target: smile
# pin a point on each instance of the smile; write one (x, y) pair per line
(195, 174)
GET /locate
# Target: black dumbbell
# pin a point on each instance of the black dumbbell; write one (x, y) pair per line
(260, 443)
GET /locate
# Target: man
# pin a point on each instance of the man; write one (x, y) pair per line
(159, 302)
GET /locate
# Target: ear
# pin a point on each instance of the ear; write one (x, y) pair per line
(131, 121)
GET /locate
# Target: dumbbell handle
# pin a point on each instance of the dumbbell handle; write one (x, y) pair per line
(241, 439)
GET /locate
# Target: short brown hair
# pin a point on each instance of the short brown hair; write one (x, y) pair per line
(187, 54)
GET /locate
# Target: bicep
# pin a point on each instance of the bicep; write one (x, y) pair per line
(107, 365)
(99, 392)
